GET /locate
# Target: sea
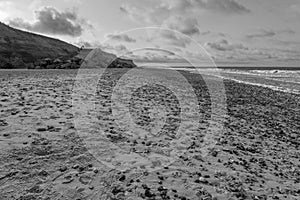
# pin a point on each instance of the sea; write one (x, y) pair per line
(279, 79)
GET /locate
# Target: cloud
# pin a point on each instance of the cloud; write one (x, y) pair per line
(188, 26)
(168, 8)
(262, 34)
(181, 15)
(270, 33)
(154, 55)
(51, 21)
(223, 6)
(171, 38)
(142, 55)
(85, 44)
(215, 6)
(7, 9)
(224, 45)
(288, 32)
(74, 1)
(258, 55)
(169, 53)
(223, 50)
(288, 43)
(150, 15)
(117, 49)
(295, 8)
(120, 37)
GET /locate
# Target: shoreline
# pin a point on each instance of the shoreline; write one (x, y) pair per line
(275, 88)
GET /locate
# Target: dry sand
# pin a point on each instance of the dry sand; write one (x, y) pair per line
(45, 155)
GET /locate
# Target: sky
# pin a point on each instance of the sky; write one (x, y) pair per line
(230, 32)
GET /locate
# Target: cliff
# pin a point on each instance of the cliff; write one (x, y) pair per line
(21, 49)
(18, 48)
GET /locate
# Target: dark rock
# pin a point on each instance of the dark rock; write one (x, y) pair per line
(144, 186)
(52, 66)
(122, 178)
(35, 189)
(148, 193)
(161, 188)
(63, 168)
(41, 129)
(30, 66)
(66, 66)
(68, 179)
(85, 180)
(202, 180)
(57, 61)
(117, 189)
(43, 173)
(91, 187)
(122, 63)
(90, 165)
(77, 60)
(28, 197)
(81, 168)
(75, 166)
(214, 153)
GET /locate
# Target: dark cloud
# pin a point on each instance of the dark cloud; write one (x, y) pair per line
(120, 37)
(51, 21)
(233, 52)
(224, 6)
(188, 26)
(224, 45)
(262, 34)
(270, 33)
(154, 56)
(169, 53)
(288, 42)
(288, 32)
(181, 15)
(167, 9)
(171, 38)
(124, 9)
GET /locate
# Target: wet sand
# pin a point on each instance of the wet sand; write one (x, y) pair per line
(44, 153)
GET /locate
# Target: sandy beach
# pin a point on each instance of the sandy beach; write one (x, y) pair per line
(43, 155)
